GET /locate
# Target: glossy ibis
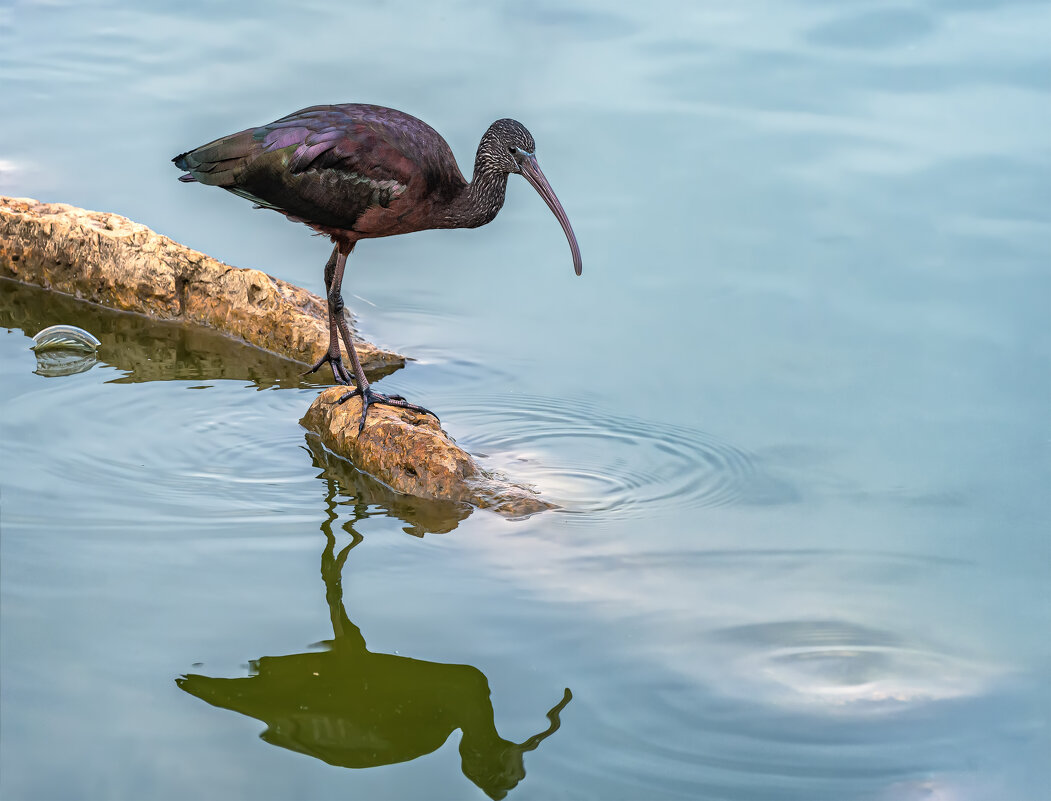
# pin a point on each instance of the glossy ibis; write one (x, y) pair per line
(356, 171)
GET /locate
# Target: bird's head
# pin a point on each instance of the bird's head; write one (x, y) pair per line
(508, 147)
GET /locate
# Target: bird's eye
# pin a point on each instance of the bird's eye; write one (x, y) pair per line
(512, 149)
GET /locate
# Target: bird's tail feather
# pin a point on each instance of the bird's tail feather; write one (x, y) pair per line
(216, 162)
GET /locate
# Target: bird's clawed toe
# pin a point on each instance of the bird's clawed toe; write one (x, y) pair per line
(339, 372)
(370, 396)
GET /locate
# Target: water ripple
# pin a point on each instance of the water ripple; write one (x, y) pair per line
(592, 462)
(204, 458)
(837, 664)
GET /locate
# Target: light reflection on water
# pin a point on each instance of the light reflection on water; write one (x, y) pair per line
(794, 409)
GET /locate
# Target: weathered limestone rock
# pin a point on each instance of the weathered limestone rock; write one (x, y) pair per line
(412, 454)
(110, 260)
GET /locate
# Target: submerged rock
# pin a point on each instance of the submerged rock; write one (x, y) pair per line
(110, 260)
(412, 454)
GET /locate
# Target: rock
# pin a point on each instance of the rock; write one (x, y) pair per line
(410, 453)
(110, 260)
(114, 262)
(420, 515)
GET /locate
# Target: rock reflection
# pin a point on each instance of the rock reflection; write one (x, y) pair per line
(368, 497)
(151, 350)
(353, 708)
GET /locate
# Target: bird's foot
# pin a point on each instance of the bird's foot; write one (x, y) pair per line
(339, 372)
(370, 396)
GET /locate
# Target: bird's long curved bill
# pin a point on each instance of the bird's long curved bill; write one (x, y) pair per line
(532, 173)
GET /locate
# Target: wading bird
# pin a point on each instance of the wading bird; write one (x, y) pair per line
(356, 171)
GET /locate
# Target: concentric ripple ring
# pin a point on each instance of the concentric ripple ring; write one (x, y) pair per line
(592, 462)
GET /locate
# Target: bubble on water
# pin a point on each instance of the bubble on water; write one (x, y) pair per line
(64, 350)
(65, 337)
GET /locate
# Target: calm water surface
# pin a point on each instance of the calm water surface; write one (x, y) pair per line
(795, 412)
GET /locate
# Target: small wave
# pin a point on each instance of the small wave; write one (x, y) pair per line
(838, 664)
(211, 457)
(589, 461)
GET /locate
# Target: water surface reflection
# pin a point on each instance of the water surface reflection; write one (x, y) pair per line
(353, 708)
(146, 349)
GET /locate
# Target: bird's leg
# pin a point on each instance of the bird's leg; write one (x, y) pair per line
(362, 387)
(335, 312)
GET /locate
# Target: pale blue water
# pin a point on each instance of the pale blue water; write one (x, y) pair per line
(796, 410)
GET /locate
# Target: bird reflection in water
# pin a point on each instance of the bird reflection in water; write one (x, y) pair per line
(353, 708)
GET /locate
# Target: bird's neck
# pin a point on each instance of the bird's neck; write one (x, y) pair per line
(480, 200)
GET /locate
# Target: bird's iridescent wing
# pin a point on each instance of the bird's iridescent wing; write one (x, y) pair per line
(329, 165)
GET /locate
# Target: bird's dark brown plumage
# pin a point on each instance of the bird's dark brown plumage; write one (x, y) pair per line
(356, 171)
